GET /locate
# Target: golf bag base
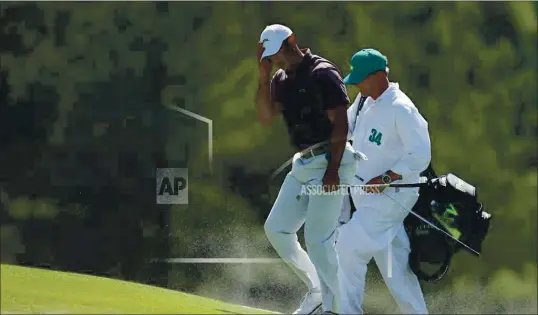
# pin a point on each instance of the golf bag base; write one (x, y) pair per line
(451, 205)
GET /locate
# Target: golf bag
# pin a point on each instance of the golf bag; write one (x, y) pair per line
(452, 205)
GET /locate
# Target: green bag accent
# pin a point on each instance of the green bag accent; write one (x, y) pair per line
(447, 220)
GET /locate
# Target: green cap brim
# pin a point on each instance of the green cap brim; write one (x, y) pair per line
(353, 78)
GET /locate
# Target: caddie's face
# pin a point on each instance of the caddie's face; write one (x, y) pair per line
(365, 86)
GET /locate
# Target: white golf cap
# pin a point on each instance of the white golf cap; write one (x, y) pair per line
(272, 38)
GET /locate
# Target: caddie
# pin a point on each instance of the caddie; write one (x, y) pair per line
(387, 127)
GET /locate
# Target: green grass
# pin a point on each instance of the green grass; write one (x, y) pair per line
(37, 291)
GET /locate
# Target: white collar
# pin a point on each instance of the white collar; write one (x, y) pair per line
(393, 86)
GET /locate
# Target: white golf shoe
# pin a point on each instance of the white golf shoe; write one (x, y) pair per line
(310, 303)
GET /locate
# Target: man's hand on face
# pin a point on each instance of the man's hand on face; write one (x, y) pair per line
(331, 180)
(264, 66)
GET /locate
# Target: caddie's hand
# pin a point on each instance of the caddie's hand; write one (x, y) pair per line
(331, 180)
(264, 66)
(375, 181)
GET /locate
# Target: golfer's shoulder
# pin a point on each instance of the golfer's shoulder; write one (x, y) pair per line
(322, 67)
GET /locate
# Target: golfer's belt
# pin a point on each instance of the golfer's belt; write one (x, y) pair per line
(308, 153)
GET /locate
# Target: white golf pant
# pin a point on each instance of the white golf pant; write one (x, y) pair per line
(319, 213)
(376, 231)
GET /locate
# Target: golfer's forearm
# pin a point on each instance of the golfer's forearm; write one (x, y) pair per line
(265, 108)
(338, 143)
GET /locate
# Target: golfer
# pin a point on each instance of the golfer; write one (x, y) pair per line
(309, 93)
(394, 136)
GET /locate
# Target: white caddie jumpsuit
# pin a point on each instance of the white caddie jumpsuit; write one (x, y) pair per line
(394, 136)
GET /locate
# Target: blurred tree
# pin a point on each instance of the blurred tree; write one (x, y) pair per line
(83, 122)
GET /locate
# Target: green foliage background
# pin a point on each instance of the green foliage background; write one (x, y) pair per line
(85, 84)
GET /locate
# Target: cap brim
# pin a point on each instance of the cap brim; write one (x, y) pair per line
(351, 79)
(355, 77)
(269, 51)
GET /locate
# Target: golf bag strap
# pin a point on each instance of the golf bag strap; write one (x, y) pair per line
(360, 105)
(437, 275)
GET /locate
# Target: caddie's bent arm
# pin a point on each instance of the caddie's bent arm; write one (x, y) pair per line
(413, 131)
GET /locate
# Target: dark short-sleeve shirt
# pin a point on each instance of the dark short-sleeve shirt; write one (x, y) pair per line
(333, 88)
(316, 88)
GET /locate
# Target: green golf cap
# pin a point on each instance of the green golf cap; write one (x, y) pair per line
(364, 63)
